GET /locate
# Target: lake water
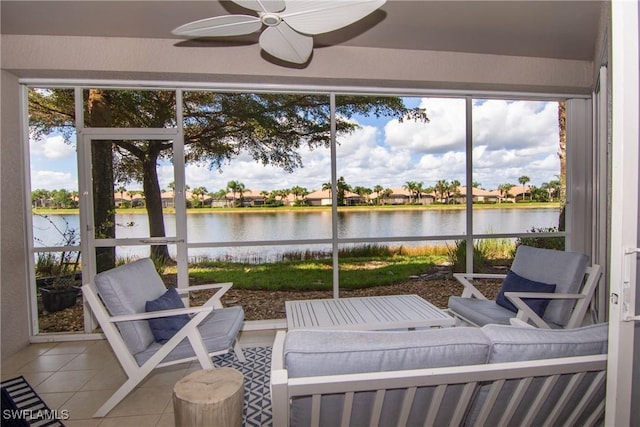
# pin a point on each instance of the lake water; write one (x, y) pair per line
(291, 225)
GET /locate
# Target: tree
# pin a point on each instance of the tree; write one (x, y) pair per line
(121, 190)
(200, 192)
(523, 180)
(504, 190)
(562, 154)
(453, 190)
(236, 187)
(415, 189)
(298, 192)
(442, 189)
(40, 197)
(219, 126)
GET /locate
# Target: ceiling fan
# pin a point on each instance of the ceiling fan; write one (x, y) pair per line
(290, 24)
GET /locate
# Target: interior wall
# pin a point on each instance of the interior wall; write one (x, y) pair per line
(13, 268)
(162, 59)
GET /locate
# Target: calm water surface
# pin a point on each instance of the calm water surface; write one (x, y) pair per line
(291, 225)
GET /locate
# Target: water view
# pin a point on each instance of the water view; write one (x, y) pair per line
(236, 227)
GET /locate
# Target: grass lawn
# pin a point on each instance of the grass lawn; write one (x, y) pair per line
(356, 272)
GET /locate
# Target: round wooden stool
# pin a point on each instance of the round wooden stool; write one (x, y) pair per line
(209, 398)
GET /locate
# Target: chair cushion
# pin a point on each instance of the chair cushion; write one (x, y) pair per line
(126, 290)
(480, 311)
(163, 328)
(565, 269)
(218, 330)
(515, 283)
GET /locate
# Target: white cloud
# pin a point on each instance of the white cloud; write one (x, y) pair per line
(511, 139)
(52, 148)
(444, 132)
(52, 180)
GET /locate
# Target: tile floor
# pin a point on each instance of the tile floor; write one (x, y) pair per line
(79, 377)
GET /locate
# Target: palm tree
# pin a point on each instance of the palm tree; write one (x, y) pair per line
(121, 190)
(523, 180)
(410, 186)
(200, 191)
(442, 188)
(504, 189)
(298, 191)
(454, 189)
(236, 187)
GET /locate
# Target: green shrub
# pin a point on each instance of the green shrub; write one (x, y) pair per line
(458, 256)
(556, 242)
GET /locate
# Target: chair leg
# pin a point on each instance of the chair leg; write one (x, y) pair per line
(238, 350)
(117, 397)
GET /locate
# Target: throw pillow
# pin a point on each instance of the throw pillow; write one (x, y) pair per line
(515, 283)
(163, 328)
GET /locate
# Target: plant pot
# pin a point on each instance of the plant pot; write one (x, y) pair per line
(58, 299)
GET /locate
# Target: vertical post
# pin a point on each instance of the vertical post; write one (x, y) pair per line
(334, 198)
(624, 208)
(179, 200)
(469, 182)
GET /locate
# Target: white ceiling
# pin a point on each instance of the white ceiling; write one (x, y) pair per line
(548, 29)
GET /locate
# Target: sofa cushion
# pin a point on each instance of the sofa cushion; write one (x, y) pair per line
(163, 328)
(515, 283)
(565, 269)
(512, 344)
(480, 311)
(125, 290)
(321, 352)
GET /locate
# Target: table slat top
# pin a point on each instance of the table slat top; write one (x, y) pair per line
(366, 313)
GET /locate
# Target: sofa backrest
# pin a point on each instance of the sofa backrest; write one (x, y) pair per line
(310, 353)
(321, 352)
(513, 344)
(566, 270)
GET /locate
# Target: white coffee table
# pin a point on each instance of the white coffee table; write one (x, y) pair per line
(366, 313)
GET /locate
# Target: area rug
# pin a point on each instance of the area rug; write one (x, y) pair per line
(21, 406)
(256, 371)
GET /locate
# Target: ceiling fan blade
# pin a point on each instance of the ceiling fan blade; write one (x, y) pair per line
(262, 5)
(283, 42)
(228, 25)
(320, 16)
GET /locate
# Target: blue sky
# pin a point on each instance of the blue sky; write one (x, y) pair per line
(511, 139)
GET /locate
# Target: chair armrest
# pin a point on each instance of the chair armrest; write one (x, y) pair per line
(214, 301)
(470, 291)
(277, 351)
(525, 313)
(159, 313)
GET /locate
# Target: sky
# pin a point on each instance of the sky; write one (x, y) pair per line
(510, 139)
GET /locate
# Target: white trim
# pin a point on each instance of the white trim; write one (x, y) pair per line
(288, 88)
(624, 206)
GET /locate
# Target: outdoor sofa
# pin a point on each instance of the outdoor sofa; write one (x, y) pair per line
(496, 375)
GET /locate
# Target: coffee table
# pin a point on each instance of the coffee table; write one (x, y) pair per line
(366, 313)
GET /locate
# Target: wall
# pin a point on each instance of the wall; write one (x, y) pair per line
(13, 272)
(160, 59)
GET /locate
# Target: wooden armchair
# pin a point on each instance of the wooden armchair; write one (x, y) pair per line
(575, 286)
(118, 299)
